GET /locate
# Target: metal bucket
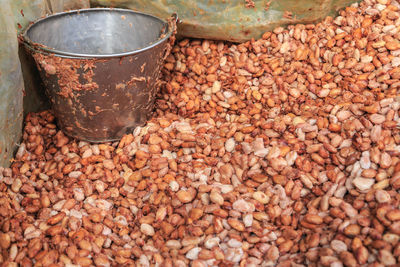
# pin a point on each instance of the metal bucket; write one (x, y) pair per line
(100, 67)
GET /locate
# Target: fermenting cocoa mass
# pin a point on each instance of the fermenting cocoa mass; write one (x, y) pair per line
(283, 151)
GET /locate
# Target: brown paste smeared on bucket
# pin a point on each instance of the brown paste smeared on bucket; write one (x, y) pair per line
(66, 69)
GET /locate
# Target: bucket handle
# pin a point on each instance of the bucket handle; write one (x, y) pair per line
(172, 22)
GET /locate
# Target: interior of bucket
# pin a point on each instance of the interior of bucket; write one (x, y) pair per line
(97, 31)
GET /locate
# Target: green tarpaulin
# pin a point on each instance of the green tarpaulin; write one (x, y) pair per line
(233, 20)
(11, 86)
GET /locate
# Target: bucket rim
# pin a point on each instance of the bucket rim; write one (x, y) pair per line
(37, 47)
